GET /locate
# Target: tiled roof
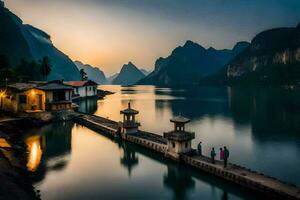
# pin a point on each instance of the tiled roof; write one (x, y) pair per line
(129, 110)
(81, 83)
(180, 119)
(76, 83)
(179, 135)
(22, 86)
(55, 86)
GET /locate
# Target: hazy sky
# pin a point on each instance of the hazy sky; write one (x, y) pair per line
(109, 33)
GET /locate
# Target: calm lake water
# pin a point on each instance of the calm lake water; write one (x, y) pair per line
(260, 126)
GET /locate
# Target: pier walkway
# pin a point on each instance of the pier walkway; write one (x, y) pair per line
(99, 123)
(266, 185)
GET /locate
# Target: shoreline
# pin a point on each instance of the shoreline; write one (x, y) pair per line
(13, 173)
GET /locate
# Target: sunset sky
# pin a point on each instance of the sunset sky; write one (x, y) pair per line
(109, 33)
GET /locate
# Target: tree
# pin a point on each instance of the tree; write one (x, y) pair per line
(4, 62)
(45, 67)
(83, 75)
(28, 70)
(6, 71)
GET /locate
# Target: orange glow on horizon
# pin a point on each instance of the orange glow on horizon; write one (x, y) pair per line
(100, 36)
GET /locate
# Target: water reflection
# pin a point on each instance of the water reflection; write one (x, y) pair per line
(272, 113)
(252, 122)
(87, 105)
(34, 147)
(188, 183)
(94, 169)
(48, 149)
(179, 181)
(129, 159)
(257, 125)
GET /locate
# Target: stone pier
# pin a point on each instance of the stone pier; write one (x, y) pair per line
(166, 146)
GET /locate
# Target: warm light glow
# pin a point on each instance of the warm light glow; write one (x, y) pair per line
(35, 152)
(32, 92)
(2, 94)
(4, 143)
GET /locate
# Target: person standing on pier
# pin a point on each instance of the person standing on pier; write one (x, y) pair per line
(226, 156)
(213, 155)
(221, 154)
(199, 147)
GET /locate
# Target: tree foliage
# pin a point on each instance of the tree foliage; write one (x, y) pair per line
(28, 71)
(45, 67)
(6, 71)
(83, 75)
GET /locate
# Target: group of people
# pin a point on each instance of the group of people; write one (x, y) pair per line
(224, 154)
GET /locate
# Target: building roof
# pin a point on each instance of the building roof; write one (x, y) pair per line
(22, 86)
(81, 83)
(54, 86)
(179, 135)
(51, 85)
(180, 119)
(129, 110)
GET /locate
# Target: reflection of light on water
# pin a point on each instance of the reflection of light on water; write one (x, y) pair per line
(35, 152)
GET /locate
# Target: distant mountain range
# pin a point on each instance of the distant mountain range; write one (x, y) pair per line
(111, 78)
(128, 75)
(146, 72)
(20, 41)
(189, 63)
(93, 73)
(272, 58)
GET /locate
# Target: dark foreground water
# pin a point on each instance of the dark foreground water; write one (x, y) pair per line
(260, 127)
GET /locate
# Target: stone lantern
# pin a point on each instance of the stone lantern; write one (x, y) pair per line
(179, 141)
(129, 124)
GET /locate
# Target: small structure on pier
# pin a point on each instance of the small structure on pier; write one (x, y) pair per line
(129, 124)
(179, 140)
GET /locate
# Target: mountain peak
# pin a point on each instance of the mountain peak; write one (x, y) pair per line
(240, 45)
(211, 49)
(130, 63)
(129, 66)
(189, 42)
(187, 65)
(128, 75)
(93, 73)
(192, 45)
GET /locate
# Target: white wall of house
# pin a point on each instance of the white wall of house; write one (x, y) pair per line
(86, 91)
(68, 95)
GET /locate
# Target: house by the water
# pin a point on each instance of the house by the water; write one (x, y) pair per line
(36, 97)
(83, 89)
